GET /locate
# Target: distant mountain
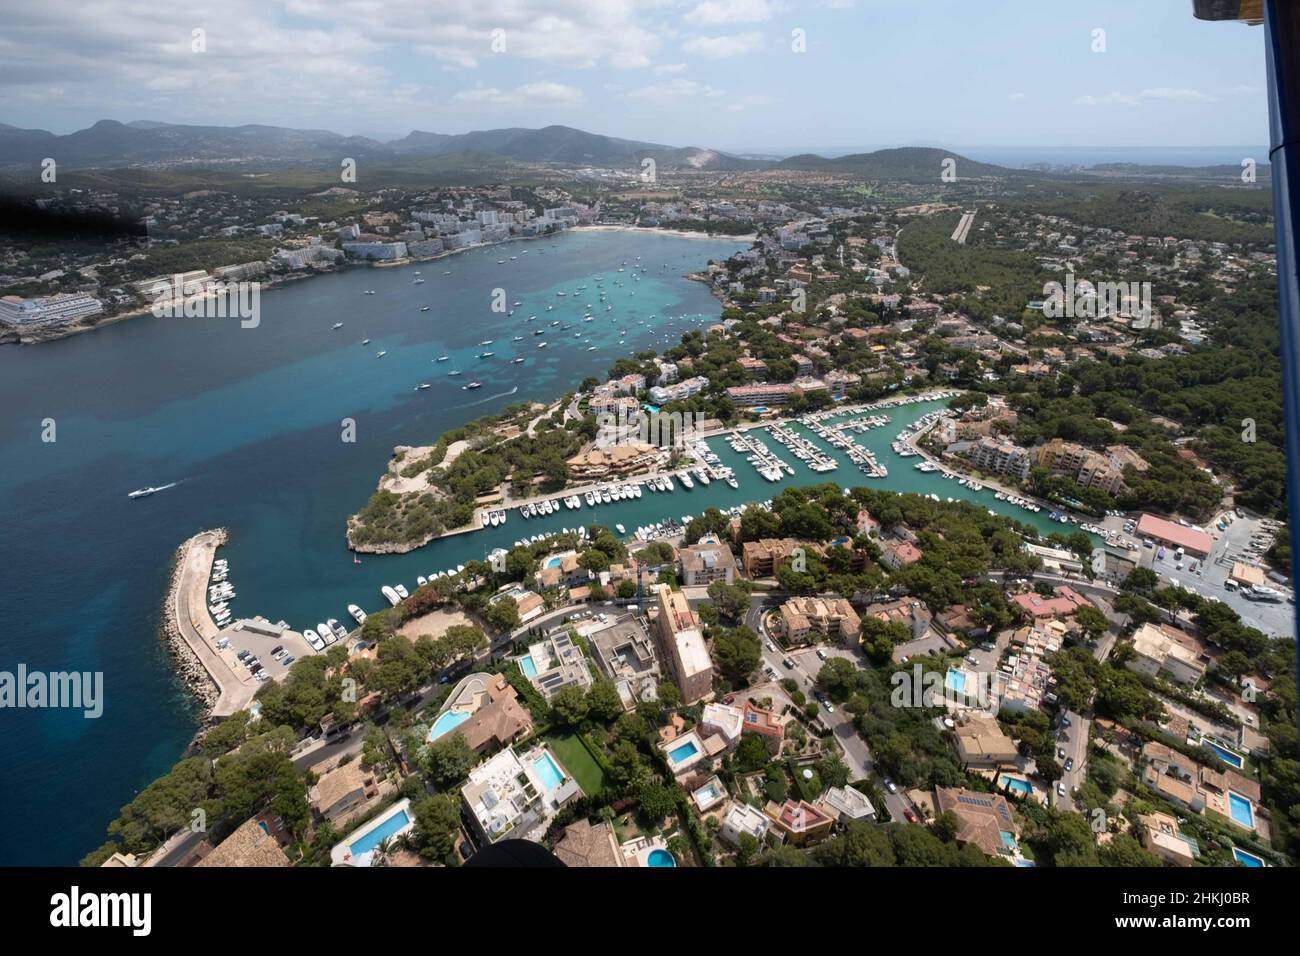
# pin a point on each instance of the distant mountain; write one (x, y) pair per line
(912, 163)
(110, 143)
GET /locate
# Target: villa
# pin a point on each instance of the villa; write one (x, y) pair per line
(342, 790)
(1162, 836)
(486, 711)
(741, 818)
(846, 804)
(981, 744)
(984, 819)
(1161, 649)
(1064, 604)
(517, 795)
(360, 846)
(556, 662)
(766, 723)
(251, 844)
(725, 720)
(800, 823)
(586, 844)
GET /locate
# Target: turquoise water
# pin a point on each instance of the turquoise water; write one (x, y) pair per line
(1233, 760)
(1018, 785)
(248, 422)
(1240, 809)
(527, 665)
(1249, 859)
(547, 771)
(447, 722)
(552, 562)
(683, 752)
(379, 834)
(660, 857)
(955, 680)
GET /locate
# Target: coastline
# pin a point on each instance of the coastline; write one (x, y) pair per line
(9, 336)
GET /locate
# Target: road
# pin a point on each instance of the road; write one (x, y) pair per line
(857, 755)
(1075, 745)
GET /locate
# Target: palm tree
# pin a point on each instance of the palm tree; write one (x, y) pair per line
(381, 852)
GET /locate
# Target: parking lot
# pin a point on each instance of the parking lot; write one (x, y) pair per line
(1244, 539)
(261, 639)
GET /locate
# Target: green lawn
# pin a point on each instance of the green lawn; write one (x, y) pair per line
(575, 758)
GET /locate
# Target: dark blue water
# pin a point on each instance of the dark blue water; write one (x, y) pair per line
(247, 421)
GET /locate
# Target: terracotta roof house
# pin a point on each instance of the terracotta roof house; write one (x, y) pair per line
(342, 790)
(250, 845)
(984, 819)
(800, 822)
(585, 844)
(501, 721)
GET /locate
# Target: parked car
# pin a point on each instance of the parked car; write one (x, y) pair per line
(1069, 764)
(891, 786)
(1060, 753)
(821, 654)
(1060, 789)
(789, 663)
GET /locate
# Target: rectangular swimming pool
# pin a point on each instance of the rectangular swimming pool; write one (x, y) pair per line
(683, 752)
(527, 666)
(1239, 807)
(1246, 859)
(1018, 785)
(548, 771)
(1233, 760)
(379, 834)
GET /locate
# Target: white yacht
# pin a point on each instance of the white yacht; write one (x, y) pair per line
(390, 595)
(358, 615)
(401, 591)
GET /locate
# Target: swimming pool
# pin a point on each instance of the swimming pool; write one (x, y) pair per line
(447, 722)
(1232, 759)
(548, 771)
(660, 857)
(1247, 859)
(1239, 807)
(379, 834)
(553, 562)
(527, 666)
(683, 752)
(956, 680)
(1018, 785)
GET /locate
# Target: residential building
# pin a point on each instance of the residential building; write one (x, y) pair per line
(725, 720)
(557, 663)
(516, 795)
(342, 790)
(799, 822)
(981, 744)
(765, 723)
(586, 844)
(681, 647)
(765, 557)
(1162, 836)
(1159, 649)
(252, 844)
(707, 561)
(741, 818)
(803, 619)
(846, 804)
(984, 819)
(499, 721)
(999, 457)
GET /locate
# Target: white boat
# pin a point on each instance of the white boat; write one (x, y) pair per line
(443, 358)
(591, 500)
(381, 354)
(401, 591)
(620, 529)
(358, 615)
(326, 633)
(421, 580)
(336, 325)
(685, 479)
(390, 595)
(422, 386)
(313, 639)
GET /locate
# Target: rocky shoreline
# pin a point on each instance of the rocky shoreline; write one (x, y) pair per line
(188, 667)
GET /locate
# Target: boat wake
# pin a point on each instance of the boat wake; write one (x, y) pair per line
(488, 398)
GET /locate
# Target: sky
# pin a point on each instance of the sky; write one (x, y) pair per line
(737, 75)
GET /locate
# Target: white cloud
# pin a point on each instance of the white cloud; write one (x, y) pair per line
(670, 68)
(1172, 93)
(717, 48)
(529, 94)
(1016, 96)
(675, 90)
(1109, 99)
(717, 12)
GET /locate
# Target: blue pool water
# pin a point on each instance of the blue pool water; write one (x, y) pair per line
(1227, 756)
(660, 858)
(684, 752)
(956, 680)
(1248, 859)
(379, 834)
(1019, 786)
(527, 666)
(447, 722)
(546, 769)
(552, 562)
(1239, 807)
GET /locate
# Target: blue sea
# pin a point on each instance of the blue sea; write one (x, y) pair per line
(247, 421)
